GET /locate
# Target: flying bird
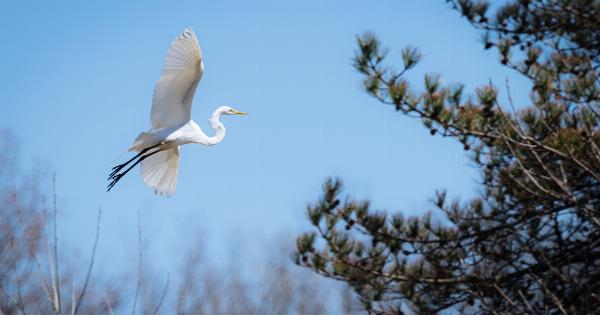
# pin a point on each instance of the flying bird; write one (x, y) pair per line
(171, 117)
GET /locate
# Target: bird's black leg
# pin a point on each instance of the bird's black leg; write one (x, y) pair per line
(116, 177)
(119, 167)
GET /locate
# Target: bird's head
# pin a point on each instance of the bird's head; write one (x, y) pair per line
(226, 110)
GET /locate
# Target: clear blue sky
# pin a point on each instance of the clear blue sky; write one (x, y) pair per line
(76, 88)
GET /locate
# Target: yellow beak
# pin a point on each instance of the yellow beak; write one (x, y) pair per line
(239, 113)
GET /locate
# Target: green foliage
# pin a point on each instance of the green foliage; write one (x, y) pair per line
(530, 243)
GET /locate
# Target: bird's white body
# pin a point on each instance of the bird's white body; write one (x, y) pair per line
(187, 133)
(172, 125)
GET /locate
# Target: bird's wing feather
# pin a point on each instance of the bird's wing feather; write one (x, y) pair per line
(160, 171)
(174, 91)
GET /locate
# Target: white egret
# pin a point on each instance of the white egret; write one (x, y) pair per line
(171, 116)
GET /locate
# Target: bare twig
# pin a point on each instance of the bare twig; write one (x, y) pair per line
(510, 101)
(91, 263)
(110, 310)
(162, 297)
(73, 297)
(526, 302)
(32, 252)
(140, 256)
(504, 294)
(12, 299)
(54, 257)
(19, 301)
(528, 173)
(555, 299)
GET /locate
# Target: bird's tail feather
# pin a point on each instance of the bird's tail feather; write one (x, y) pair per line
(143, 140)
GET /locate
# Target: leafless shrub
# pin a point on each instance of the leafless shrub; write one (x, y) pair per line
(35, 280)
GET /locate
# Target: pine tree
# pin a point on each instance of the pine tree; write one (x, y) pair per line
(530, 242)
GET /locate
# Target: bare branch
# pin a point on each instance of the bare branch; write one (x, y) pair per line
(54, 257)
(162, 297)
(90, 265)
(140, 260)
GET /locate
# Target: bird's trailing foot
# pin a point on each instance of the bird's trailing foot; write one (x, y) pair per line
(115, 176)
(119, 167)
(116, 169)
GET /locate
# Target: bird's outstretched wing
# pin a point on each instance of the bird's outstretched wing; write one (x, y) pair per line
(174, 91)
(160, 171)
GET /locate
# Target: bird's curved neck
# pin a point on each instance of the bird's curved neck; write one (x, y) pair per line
(217, 126)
